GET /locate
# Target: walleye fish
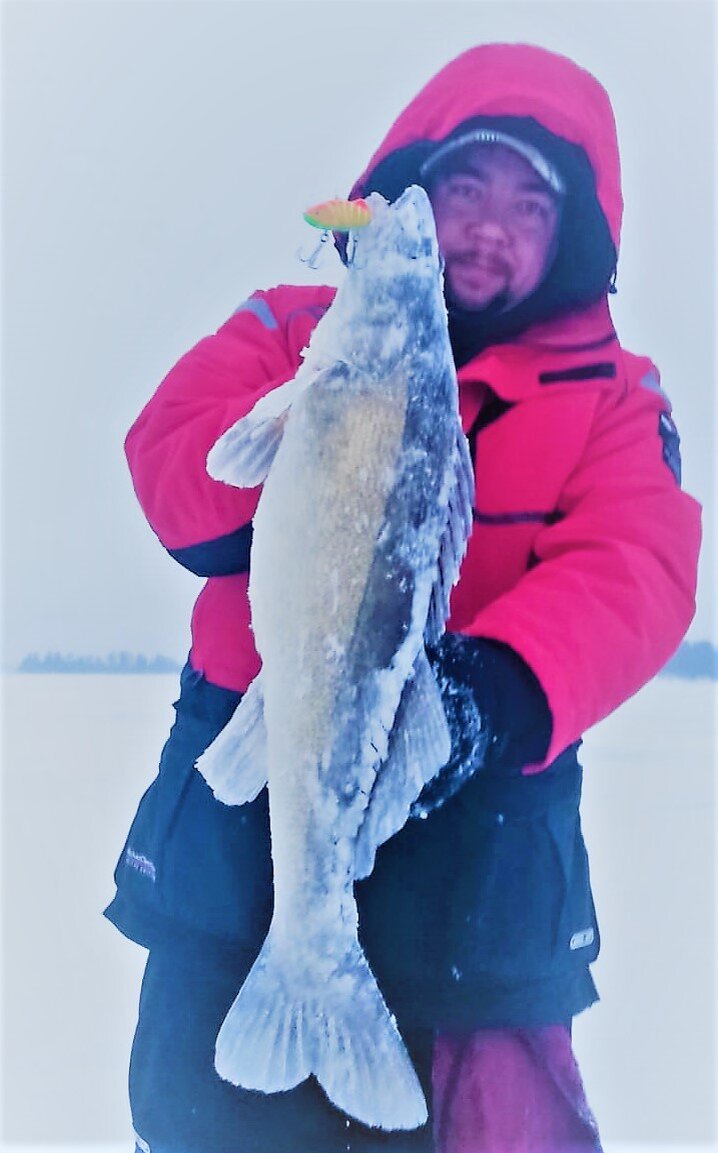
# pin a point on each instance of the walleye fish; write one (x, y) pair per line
(360, 530)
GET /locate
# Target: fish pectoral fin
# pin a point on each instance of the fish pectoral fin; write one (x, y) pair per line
(454, 540)
(235, 765)
(243, 455)
(419, 745)
(286, 1023)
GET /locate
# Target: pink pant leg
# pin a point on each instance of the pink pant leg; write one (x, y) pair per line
(510, 1091)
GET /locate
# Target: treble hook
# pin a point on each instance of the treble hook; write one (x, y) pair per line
(351, 247)
(312, 261)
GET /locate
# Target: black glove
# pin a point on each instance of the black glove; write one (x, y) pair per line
(497, 713)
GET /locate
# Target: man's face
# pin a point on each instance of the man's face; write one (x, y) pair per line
(497, 224)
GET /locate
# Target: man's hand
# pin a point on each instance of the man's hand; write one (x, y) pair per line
(497, 713)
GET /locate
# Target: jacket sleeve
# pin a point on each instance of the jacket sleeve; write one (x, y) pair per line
(612, 590)
(203, 523)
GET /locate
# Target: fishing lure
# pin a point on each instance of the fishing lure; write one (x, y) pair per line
(335, 216)
(339, 215)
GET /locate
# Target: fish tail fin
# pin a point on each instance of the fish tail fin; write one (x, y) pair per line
(362, 1063)
(286, 1024)
(265, 1040)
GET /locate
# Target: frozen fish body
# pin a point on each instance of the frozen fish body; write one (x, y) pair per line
(358, 537)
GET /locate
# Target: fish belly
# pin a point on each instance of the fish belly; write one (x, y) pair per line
(310, 1004)
(315, 533)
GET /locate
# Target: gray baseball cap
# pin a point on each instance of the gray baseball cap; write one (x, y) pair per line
(548, 173)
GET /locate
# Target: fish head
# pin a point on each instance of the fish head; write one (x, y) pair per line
(400, 240)
(394, 277)
(390, 303)
(403, 230)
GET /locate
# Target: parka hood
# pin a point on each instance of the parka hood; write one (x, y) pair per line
(513, 80)
(549, 102)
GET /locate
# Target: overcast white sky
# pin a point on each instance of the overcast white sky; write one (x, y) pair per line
(156, 161)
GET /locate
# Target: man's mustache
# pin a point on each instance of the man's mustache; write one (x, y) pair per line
(479, 258)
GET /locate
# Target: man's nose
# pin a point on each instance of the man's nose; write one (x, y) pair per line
(490, 228)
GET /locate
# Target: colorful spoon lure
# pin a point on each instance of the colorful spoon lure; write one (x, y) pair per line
(339, 215)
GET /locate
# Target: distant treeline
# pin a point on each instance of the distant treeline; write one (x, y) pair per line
(114, 663)
(694, 659)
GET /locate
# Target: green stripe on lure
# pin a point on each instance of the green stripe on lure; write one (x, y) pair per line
(339, 215)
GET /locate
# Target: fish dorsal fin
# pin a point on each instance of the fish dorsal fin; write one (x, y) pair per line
(419, 745)
(454, 540)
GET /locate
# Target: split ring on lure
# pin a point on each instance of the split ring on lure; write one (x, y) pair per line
(335, 216)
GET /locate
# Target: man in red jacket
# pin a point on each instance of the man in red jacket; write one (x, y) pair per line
(578, 585)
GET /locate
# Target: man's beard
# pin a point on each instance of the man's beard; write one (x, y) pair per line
(498, 304)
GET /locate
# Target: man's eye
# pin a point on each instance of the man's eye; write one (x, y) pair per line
(533, 209)
(465, 189)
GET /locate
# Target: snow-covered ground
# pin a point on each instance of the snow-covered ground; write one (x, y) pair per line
(79, 750)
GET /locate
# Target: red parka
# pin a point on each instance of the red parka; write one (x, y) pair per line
(583, 557)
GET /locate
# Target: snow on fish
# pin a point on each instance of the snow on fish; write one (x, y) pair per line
(360, 530)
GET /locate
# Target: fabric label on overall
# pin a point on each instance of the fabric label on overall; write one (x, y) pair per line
(141, 864)
(582, 939)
